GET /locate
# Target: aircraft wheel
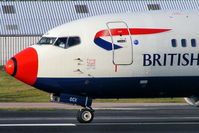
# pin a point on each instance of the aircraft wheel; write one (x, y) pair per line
(85, 115)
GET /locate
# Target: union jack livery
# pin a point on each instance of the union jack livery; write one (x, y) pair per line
(121, 32)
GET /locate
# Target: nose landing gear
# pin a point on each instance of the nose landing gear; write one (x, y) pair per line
(85, 115)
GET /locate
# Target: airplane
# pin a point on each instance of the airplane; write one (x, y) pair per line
(123, 55)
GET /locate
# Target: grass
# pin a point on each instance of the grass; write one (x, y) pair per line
(32, 109)
(143, 100)
(12, 90)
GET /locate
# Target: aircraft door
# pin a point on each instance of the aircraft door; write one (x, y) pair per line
(121, 43)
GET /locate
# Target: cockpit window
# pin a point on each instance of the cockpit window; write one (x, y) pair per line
(62, 42)
(66, 42)
(47, 40)
(73, 41)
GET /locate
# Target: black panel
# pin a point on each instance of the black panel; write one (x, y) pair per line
(81, 9)
(154, 7)
(8, 9)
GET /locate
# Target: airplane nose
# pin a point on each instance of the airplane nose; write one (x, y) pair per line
(10, 67)
(24, 66)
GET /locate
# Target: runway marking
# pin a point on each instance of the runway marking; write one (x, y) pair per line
(37, 125)
(140, 123)
(125, 109)
(36, 118)
(103, 118)
(97, 124)
(146, 118)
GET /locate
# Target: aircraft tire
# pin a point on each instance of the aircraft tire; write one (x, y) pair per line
(85, 115)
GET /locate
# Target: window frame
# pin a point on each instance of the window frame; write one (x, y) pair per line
(81, 9)
(60, 46)
(75, 44)
(183, 42)
(66, 45)
(152, 7)
(174, 42)
(8, 9)
(47, 43)
(195, 42)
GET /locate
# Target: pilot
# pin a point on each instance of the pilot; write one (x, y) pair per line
(62, 45)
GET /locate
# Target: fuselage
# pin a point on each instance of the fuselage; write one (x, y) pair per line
(128, 55)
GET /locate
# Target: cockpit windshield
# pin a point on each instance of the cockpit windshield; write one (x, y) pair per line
(62, 42)
(66, 42)
(47, 40)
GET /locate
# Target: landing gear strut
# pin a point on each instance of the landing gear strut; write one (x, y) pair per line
(85, 115)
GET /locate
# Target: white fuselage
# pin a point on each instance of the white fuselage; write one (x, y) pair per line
(98, 62)
(149, 54)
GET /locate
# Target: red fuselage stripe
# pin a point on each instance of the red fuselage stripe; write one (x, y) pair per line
(132, 31)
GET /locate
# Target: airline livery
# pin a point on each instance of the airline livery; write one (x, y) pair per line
(126, 55)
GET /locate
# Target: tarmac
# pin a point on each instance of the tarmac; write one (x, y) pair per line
(109, 118)
(94, 105)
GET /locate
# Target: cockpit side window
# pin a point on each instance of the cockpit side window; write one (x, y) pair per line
(73, 41)
(47, 40)
(62, 42)
(66, 42)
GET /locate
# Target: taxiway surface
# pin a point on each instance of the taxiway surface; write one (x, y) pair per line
(136, 119)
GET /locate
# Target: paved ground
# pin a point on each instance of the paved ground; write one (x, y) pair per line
(95, 105)
(150, 118)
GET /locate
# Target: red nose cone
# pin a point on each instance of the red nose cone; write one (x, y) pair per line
(24, 66)
(10, 67)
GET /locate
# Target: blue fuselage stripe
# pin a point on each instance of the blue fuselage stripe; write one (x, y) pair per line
(105, 44)
(135, 87)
